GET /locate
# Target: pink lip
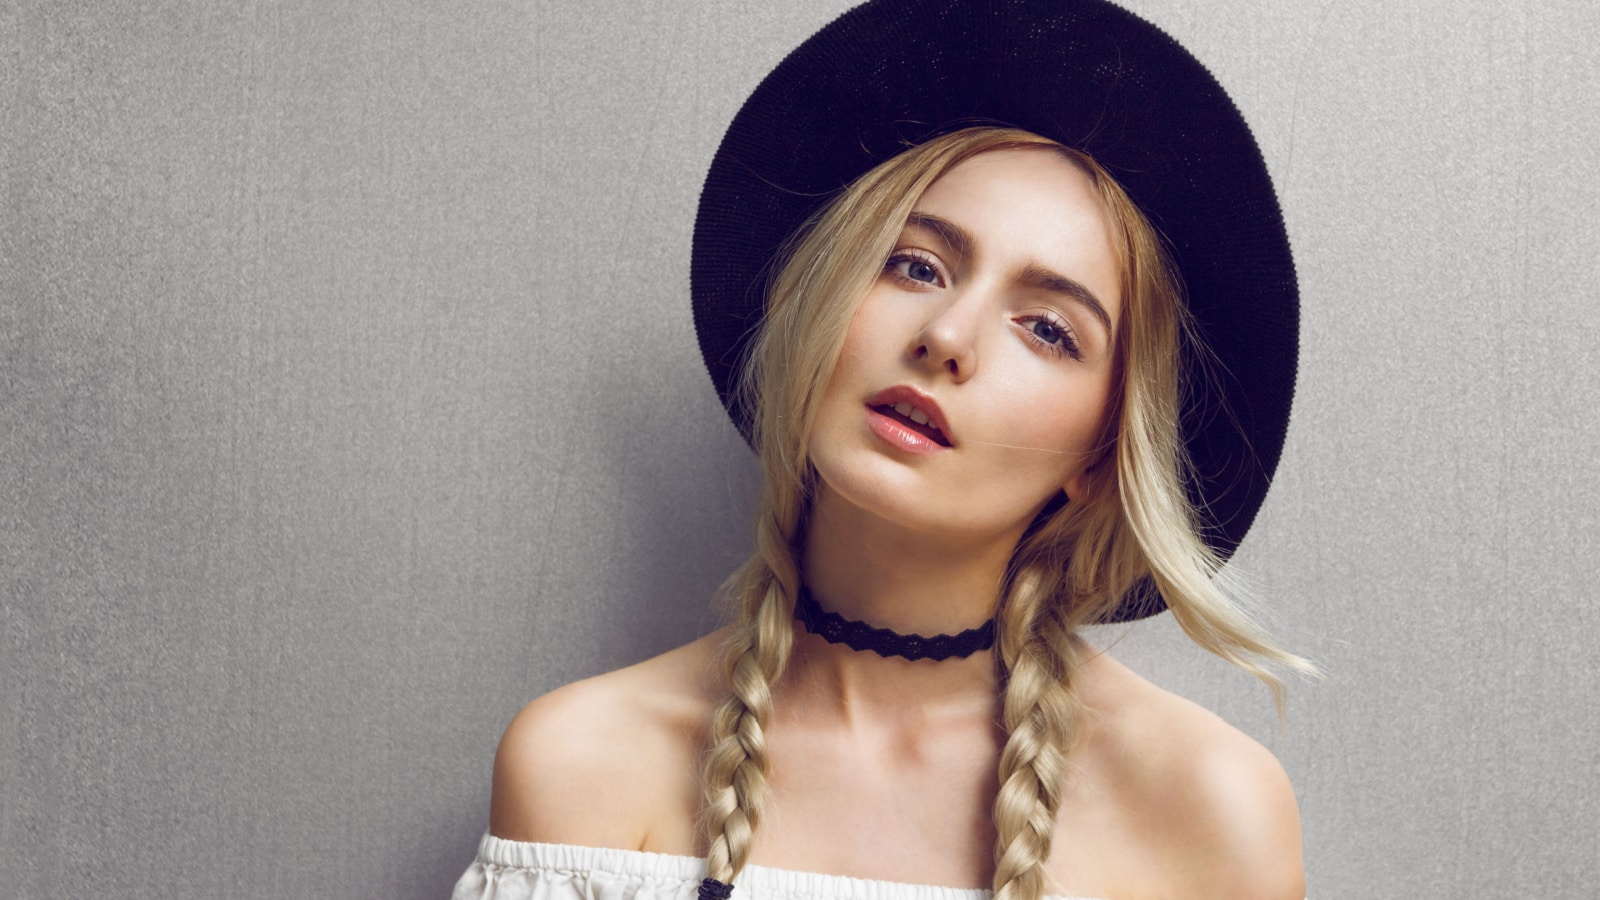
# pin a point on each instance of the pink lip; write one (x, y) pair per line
(895, 432)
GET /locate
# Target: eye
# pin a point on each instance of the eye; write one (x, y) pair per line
(914, 268)
(1052, 334)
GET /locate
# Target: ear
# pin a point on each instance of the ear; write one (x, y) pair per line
(1078, 484)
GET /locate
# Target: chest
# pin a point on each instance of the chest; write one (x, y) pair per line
(882, 802)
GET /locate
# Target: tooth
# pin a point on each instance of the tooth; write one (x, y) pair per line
(919, 417)
(903, 408)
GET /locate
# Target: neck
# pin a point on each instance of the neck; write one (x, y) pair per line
(865, 568)
(869, 570)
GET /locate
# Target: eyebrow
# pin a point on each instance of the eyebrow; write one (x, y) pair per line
(1044, 279)
(1035, 276)
(952, 234)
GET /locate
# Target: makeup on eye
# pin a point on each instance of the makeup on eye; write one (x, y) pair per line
(962, 245)
(914, 267)
(918, 269)
(1051, 333)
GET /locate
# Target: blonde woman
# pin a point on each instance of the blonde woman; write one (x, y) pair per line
(1004, 383)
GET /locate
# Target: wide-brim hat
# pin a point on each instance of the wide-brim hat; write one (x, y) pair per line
(893, 73)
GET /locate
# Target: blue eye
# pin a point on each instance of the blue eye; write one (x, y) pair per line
(1052, 335)
(914, 269)
(917, 270)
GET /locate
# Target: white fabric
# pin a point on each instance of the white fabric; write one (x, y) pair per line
(513, 870)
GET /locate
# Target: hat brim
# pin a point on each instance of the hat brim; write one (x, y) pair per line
(892, 73)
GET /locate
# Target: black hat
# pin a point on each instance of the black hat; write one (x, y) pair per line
(893, 73)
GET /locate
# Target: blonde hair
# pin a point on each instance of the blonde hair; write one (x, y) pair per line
(1072, 567)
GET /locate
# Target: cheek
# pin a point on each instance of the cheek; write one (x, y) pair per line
(862, 344)
(851, 355)
(1063, 405)
(1066, 423)
(845, 388)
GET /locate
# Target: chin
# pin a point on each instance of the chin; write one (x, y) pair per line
(899, 496)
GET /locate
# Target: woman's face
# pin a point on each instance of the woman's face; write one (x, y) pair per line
(975, 375)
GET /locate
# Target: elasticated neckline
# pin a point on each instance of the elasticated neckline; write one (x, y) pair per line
(677, 871)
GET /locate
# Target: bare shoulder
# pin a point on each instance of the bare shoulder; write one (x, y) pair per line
(1218, 802)
(610, 761)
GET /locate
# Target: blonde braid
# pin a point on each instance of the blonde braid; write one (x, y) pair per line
(1038, 713)
(757, 650)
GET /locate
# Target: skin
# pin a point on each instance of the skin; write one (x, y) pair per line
(884, 768)
(958, 320)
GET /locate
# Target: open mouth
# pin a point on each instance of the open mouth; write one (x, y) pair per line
(913, 419)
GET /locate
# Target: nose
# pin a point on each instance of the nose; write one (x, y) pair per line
(949, 340)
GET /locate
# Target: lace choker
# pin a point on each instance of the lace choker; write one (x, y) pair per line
(836, 629)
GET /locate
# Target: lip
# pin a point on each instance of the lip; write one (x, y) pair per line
(904, 393)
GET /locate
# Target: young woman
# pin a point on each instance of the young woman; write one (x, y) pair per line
(969, 391)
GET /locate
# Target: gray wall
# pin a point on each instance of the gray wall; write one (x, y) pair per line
(349, 399)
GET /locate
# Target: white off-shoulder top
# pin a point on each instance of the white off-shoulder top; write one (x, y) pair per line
(514, 870)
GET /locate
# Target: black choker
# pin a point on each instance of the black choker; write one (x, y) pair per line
(836, 629)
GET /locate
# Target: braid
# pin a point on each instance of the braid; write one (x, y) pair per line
(757, 651)
(1038, 710)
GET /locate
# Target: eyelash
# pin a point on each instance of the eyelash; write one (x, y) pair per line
(891, 266)
(1068, 345)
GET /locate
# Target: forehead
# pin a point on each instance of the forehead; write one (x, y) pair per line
(1007, 183)
(1030, 207)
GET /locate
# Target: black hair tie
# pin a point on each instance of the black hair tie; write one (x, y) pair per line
(712, 889)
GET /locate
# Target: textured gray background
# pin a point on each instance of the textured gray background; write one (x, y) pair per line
(349, 399)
